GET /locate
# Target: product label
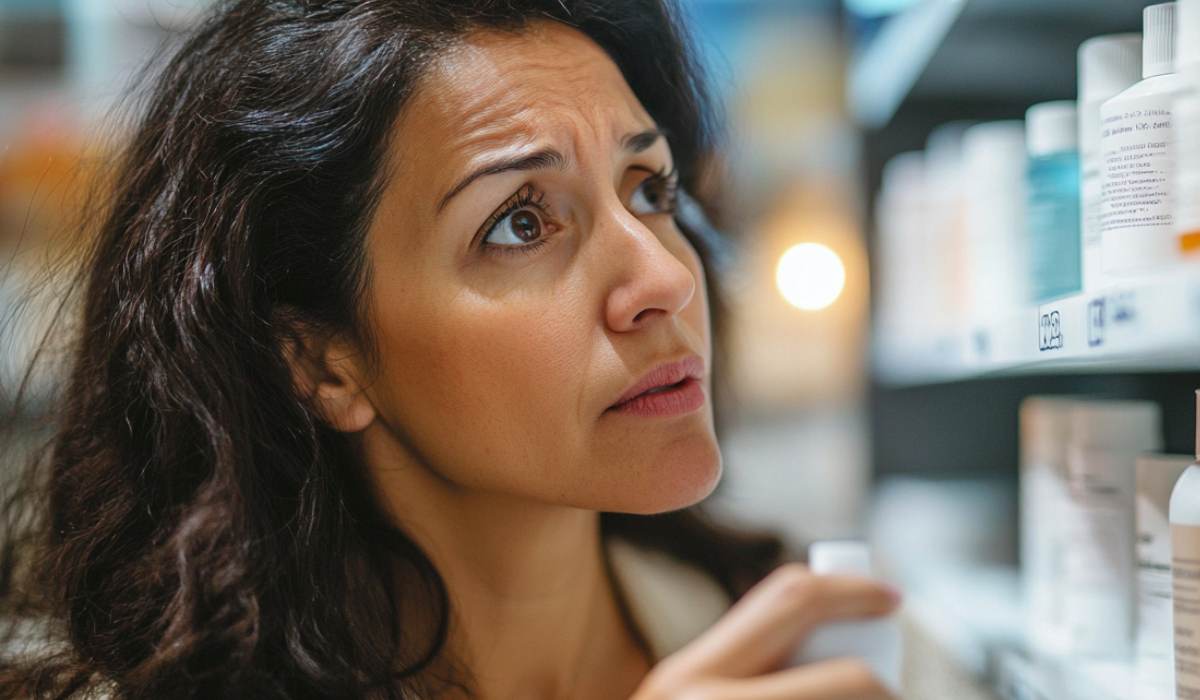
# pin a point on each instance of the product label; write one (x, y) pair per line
(1154, 579)
(1185, 574)
(1089, 222)
(1090, 190)
(1136, 138)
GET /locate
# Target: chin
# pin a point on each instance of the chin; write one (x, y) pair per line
(686, 476)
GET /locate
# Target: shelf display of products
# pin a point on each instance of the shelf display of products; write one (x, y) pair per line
(1062, 247)
(1052, 279)
(1102, 562)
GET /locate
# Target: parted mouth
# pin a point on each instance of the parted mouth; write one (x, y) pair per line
(664, 377)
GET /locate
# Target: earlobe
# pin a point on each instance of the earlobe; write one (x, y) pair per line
(325, 376)
(344, 406)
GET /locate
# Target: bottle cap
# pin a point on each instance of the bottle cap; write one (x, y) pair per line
(993, 149)
(1122, 426)
(1187, 35)
(840, 557)
(943, 159)
(1158, 42)
(1107, 65)
(1051, 127)
(904, 173)
(1198, 425)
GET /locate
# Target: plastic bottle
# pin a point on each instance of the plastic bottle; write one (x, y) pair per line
(904, 301)
(1098, 523)
(1107, 65)
(998, 247)
(1185, 574)
(1186, 111)
(945, 220)
(877, 641)
(1136, 213)
(1052, 142)
(1156, 476)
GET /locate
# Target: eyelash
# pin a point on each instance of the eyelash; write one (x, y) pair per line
(670, 178)
(524, 197)
(528, 195)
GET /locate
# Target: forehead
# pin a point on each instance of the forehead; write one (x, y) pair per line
(546, 82)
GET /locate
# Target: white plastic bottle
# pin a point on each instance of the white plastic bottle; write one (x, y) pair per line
(1107, 65)
(1185, 574)
(944, 218)
(1155, 667)
(904, 310)
(1186, 113)
(877, 641)
(1137, 206)
(997, 243)
(1098, 523)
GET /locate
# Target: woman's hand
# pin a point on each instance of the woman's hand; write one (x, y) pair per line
(739, 657)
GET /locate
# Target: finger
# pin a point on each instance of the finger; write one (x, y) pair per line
(765, 627)
(836, 679)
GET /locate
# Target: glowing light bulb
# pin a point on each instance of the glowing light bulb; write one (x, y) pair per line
(810, 276)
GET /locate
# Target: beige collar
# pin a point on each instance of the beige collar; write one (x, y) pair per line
(671, 602)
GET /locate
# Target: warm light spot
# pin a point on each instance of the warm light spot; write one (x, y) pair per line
(810, 276)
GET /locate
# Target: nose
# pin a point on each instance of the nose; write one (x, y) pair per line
(650, 280)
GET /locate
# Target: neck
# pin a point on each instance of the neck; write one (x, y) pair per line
(534, 612)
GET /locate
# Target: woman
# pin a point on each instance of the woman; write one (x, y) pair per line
(390, 306)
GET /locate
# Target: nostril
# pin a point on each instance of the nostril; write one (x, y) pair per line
(642, 314)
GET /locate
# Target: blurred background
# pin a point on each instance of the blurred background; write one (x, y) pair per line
(866, 402)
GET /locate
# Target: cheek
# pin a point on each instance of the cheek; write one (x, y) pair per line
(507, 395)
(491, 394)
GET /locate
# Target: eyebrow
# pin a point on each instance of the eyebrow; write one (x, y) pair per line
(635, 142)
(641, 140)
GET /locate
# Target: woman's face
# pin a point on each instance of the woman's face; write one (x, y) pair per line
(526, 272)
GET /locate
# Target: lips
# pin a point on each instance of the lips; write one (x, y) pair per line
(663, 377)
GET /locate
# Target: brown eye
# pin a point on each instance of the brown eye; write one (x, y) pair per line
(518, 228)
(526, 225)
(655, 195)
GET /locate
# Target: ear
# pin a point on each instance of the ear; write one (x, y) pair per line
(328, 373)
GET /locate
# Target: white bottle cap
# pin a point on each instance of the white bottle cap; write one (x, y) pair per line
(1051, 127)
(992, 150)
(905, 172)
(943, 158)
(1187, 35)
(840, 557)
(1158, 42)
(945, 141)
(1123, 426)
(1107, 65)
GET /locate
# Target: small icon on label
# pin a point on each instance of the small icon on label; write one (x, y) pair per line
(1050, 331)
(1095, 323)
(1124, 308)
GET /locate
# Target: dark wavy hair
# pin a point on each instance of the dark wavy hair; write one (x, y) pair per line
(199, 532)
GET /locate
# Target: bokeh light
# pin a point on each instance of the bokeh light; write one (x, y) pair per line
(810, 276)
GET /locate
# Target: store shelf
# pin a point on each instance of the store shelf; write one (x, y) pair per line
(996, 50)
(969, 622)
(1147, 326)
